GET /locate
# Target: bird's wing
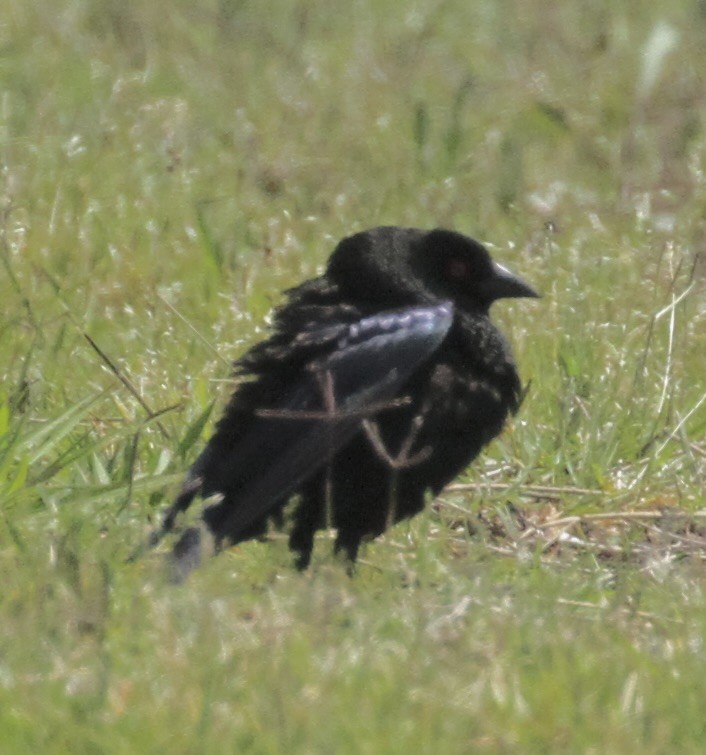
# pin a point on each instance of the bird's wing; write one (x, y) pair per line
(368, 365)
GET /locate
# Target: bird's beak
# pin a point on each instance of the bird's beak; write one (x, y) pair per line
(503, 284)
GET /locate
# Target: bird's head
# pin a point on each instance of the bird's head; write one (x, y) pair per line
(401, 266)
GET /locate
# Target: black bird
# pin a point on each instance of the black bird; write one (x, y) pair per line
(382, 379)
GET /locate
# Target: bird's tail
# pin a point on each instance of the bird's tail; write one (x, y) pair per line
(193, 546)
(190, 488)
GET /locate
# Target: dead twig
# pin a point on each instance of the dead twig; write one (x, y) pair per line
(568, 521)
(126, 382)
(545, 492)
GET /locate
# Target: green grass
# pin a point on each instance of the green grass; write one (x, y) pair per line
(166, 169)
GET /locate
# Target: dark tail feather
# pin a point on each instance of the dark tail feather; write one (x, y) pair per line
(190, 488)
(186, 555)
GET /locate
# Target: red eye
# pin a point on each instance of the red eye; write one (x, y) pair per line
(457, 268)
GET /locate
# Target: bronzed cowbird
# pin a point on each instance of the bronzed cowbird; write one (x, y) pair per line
(381, 380)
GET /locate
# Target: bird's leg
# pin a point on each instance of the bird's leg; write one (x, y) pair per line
(328, 391)
(328, 394)
(346, 542)
(404, 459)
(392, 497)
(405, 454)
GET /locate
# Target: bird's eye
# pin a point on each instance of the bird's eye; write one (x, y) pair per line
(457, 268)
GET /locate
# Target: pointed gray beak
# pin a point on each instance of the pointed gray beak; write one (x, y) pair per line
(504, 284)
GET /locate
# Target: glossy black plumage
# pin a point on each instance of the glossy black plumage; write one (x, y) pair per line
(380, 382)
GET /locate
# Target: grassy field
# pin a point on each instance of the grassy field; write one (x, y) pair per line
(166, 169)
